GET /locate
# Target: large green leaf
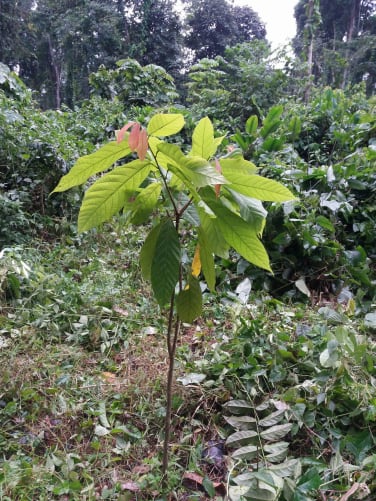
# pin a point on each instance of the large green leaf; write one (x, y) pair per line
(258, 187)
(148, 250)
(145, 202)
(207, 259)
(189, 301)
(203, 144)
(237, 165)
(251, 210)
(210, 226)
(166, 263)
(244, 437)
(241, 236)
(246, 452)
(272, 121)
(276, 432)
(89, 165)
(165, 124)
(202, 173)
(108, 194)
(251, 124)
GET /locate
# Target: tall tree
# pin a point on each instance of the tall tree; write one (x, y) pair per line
(155, 33)
(213, 25)
(14, 27)
(71, 39)
(342, 33)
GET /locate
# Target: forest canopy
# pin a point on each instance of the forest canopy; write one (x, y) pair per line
(55, 46)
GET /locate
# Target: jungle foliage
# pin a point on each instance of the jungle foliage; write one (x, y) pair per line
(274, 350)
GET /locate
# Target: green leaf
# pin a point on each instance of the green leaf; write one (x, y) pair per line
(108, 194)
(239, 235)
(295, 127)
(201, 173)
(148, 250)
(165, 124)
(89, 165)
(145, 202)
(325, 223)
(241, 422)
(272, 121)
(246, 452)
(208, 486)
(189, 301)
(203, 139)
(272, 419)
(207, 259)
(243, 437)
(289, 468)
(195, 170)
(218, 244)
(237, 165)
(251, 210)
(258, 187)
(238, 406)
(166, 263)
(251, 125)
(276, 432)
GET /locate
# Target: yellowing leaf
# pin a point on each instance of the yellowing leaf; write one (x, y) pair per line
(196, 263)
(165, 124)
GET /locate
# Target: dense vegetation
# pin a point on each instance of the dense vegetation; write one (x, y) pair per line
(275, 394)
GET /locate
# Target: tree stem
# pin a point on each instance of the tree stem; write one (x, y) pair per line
(172, 337)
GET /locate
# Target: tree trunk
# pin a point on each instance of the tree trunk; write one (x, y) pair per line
(56, 71)
(353, 23)
(307, 91)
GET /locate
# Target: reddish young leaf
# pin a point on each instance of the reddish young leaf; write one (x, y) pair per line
(142, 146)
(121, 133)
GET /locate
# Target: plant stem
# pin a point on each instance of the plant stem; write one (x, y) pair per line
(172, 337)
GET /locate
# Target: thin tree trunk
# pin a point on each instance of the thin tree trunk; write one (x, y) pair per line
(353, 22)
(56, 72)
(307, 91)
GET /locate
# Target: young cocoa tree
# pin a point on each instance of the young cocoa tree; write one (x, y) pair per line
(218, 198)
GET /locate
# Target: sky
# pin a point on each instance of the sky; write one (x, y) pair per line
(278, 16)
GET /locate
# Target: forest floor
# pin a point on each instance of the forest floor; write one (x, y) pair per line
(82, 402)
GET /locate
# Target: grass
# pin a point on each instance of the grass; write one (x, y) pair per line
(83, 372)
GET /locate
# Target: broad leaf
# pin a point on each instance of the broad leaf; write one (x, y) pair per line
(148, 250)
(108, 194)
(237, 165)
(289, 468)
(165, 124)
(189, 301)
(251, 210)
(241, 422)
(202, 173)
(276, 432)
(258, 187)
(145, 202)
(295, 127)
(272, 419)
(210, 226)
(241, 438)
(166, 263)
(272, 121)
(203, 139)
(251, 125)
(207, 259)
(239, 235)
(94, 163)
(246, 452)
(238, 406)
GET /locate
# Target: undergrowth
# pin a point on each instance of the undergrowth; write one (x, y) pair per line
(272, 399)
